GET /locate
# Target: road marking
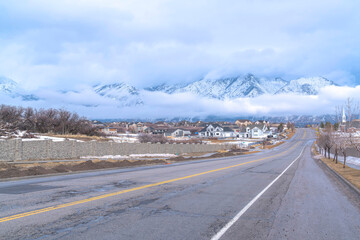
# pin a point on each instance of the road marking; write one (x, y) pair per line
(42, 210)
(237, 216)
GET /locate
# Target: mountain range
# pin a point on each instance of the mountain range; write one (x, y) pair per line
(246, 86)
(11, 88)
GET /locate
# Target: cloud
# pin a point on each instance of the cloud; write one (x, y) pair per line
(48, 46)
(186, 104)
(64, 45)
(163, 105)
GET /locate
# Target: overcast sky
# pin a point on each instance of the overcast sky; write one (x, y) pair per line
(67, 44)
(59, 44)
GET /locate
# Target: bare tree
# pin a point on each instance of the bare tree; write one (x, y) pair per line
(344, 144)
(290, 126)
(64, 117)
(153, 138)
(29, 119)
(351, 108)
(11, 116)
(336, 147)
(145, 138)
(338, 114)
(44, 121)
(329, 138)
(321, 141)
(355, 142)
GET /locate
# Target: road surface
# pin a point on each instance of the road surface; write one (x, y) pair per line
(281, 193)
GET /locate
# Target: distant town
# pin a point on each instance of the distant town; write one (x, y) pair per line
(241, 129)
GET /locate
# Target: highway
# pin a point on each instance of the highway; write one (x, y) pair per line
(280, 193)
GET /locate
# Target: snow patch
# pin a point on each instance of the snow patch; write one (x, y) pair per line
(155, 155)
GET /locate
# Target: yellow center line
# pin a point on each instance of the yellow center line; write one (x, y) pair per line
(42, 210)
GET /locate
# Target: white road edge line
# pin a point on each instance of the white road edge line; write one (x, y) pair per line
(229, 224)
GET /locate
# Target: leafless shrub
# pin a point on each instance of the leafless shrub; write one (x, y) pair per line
(144, 138)
(152, 138)
(44, 121)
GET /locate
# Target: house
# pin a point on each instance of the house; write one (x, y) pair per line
(259, 131)
(109, 130)
(262, 122)
(243, 122)
(254, 131)
(215, 130)
(274, 127)
(177, 133)
(354, 124)
(156, 129)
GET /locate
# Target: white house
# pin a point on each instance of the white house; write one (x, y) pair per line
(254, 131)
(177, 133)
(215, 130)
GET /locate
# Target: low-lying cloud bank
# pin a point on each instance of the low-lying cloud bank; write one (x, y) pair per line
(162, 105)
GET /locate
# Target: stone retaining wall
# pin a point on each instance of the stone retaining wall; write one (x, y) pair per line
(18, 150)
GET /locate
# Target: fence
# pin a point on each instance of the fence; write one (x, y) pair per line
(18, 150)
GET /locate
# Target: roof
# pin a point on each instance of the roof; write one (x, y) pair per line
(215, 125)
(227, 129)
(243, 128)
(261, 125)
(243, 120)
(262, 122)
(170, 130)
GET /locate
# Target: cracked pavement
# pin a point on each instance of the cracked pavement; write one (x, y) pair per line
(305, 203)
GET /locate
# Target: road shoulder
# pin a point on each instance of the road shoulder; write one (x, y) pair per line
(348, 176)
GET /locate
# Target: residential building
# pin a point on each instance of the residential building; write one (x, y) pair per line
(215, 130)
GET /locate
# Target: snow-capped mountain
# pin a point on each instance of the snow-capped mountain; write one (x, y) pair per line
(127, 95)
(166, 88)
(227, 88)
(247, 86)
(7, 86)
(10, 88)
(305, 86)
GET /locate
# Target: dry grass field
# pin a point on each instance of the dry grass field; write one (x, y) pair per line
(79, 137)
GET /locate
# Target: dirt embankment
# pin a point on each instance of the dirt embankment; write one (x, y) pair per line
(9, 170)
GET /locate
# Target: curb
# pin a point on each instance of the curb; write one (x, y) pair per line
(340, 177)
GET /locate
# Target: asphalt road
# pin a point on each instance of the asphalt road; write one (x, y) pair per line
(277, 194)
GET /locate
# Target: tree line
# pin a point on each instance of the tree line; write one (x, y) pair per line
(339, 137)
(329, 139)
(57, 121)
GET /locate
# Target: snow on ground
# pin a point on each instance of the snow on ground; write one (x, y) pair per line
(40, 138)
(125, 138)
(242, 143)
(202, 156)
(149, 155)
(353, 162)
(127, 134)
(55, 139)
